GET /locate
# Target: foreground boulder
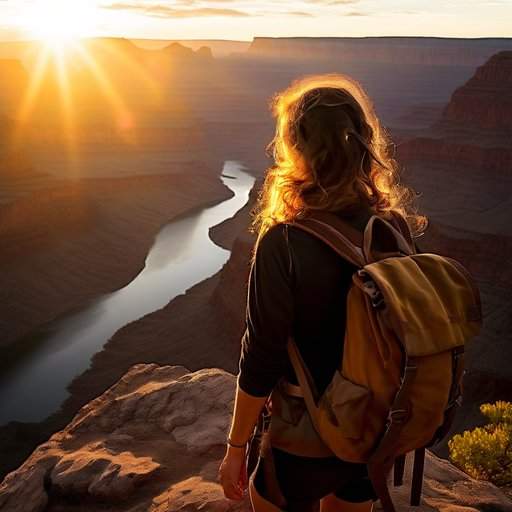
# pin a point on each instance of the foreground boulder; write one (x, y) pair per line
(154, 441)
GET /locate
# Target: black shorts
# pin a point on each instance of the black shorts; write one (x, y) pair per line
(305, 480)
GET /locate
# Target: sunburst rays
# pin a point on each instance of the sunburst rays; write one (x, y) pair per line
(34, 87)
(123, 116)
(52, 67)
(66, 107)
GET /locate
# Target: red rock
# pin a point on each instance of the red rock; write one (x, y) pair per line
(154, 441)
(485, 101)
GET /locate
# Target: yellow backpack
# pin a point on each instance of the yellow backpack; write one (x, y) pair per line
(408, 316)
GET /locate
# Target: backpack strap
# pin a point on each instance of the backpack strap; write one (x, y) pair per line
(398, 470)
(264, 489)
(355, 246)
(403, 226)
(417, 476)
(382, 239)
(454, 396)
(383, 457)
(336, 233)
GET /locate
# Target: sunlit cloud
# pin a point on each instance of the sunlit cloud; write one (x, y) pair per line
(332, 2)
(165, 11)
(245, 19)
(241, 8)
(296, 13)
(355, 13)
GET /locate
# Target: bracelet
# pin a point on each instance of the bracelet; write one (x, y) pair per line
(230, 443)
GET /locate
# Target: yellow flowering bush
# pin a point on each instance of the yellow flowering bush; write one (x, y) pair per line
(486, 452)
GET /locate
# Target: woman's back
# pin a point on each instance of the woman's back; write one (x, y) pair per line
(298, 285)
(323, 279)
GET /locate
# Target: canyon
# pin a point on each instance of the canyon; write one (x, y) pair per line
(69, 237)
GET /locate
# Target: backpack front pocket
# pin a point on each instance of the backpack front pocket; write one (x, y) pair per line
(346, 404)
(289, 408)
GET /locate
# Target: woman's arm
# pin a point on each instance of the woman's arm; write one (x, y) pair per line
(233, 470)
(264, 357)
(246, 412)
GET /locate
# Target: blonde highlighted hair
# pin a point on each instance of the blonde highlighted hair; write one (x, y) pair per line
(330, 153)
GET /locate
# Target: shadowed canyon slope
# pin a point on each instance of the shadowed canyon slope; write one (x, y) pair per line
(153, 442)
(79, 230)
(171, 336)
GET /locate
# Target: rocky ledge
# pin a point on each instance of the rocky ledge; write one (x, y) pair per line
(154, 441)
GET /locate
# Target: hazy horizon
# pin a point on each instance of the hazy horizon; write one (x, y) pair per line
(241, 20)
(206, 39)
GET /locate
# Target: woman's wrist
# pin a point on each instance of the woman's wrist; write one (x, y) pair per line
(235, 444)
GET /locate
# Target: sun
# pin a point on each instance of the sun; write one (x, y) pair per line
(58, 22)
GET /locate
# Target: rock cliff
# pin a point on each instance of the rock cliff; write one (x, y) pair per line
(153, 442)
(484, 103)
(461, 165)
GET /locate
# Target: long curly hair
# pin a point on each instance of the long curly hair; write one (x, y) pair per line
(330, 153)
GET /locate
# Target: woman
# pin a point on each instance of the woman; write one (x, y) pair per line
(330, 154)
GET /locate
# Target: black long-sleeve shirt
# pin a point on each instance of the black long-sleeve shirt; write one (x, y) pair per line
(297, 288)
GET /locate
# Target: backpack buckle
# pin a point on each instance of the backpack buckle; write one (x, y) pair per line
(456, 402)
(371, 289)
(398, 416)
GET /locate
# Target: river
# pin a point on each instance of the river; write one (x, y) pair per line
(182, 255)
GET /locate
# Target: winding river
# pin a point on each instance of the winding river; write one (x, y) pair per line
(181, 256)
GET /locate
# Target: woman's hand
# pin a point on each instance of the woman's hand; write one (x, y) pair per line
(233, 469)
(233, 473)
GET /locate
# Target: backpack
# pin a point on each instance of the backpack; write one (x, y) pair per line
(399, 383)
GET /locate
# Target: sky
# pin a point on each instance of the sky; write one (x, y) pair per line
(244, 19)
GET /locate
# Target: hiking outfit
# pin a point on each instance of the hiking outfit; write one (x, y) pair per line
(298, 284)
(343, 414)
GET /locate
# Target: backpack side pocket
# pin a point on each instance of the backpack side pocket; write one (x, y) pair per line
(346, 404)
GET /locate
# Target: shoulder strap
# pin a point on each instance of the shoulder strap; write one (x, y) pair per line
(351, 244)
(338, 234)
(403, 226)
(383, 239)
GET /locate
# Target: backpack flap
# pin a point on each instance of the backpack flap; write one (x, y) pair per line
(431, 301)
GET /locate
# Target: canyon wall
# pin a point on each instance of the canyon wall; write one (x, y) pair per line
(403, 50)
(484, 103)
(461, 166)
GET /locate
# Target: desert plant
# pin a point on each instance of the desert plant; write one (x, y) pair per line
(486, 452)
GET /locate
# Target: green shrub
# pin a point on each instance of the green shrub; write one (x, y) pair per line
(486, 452)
